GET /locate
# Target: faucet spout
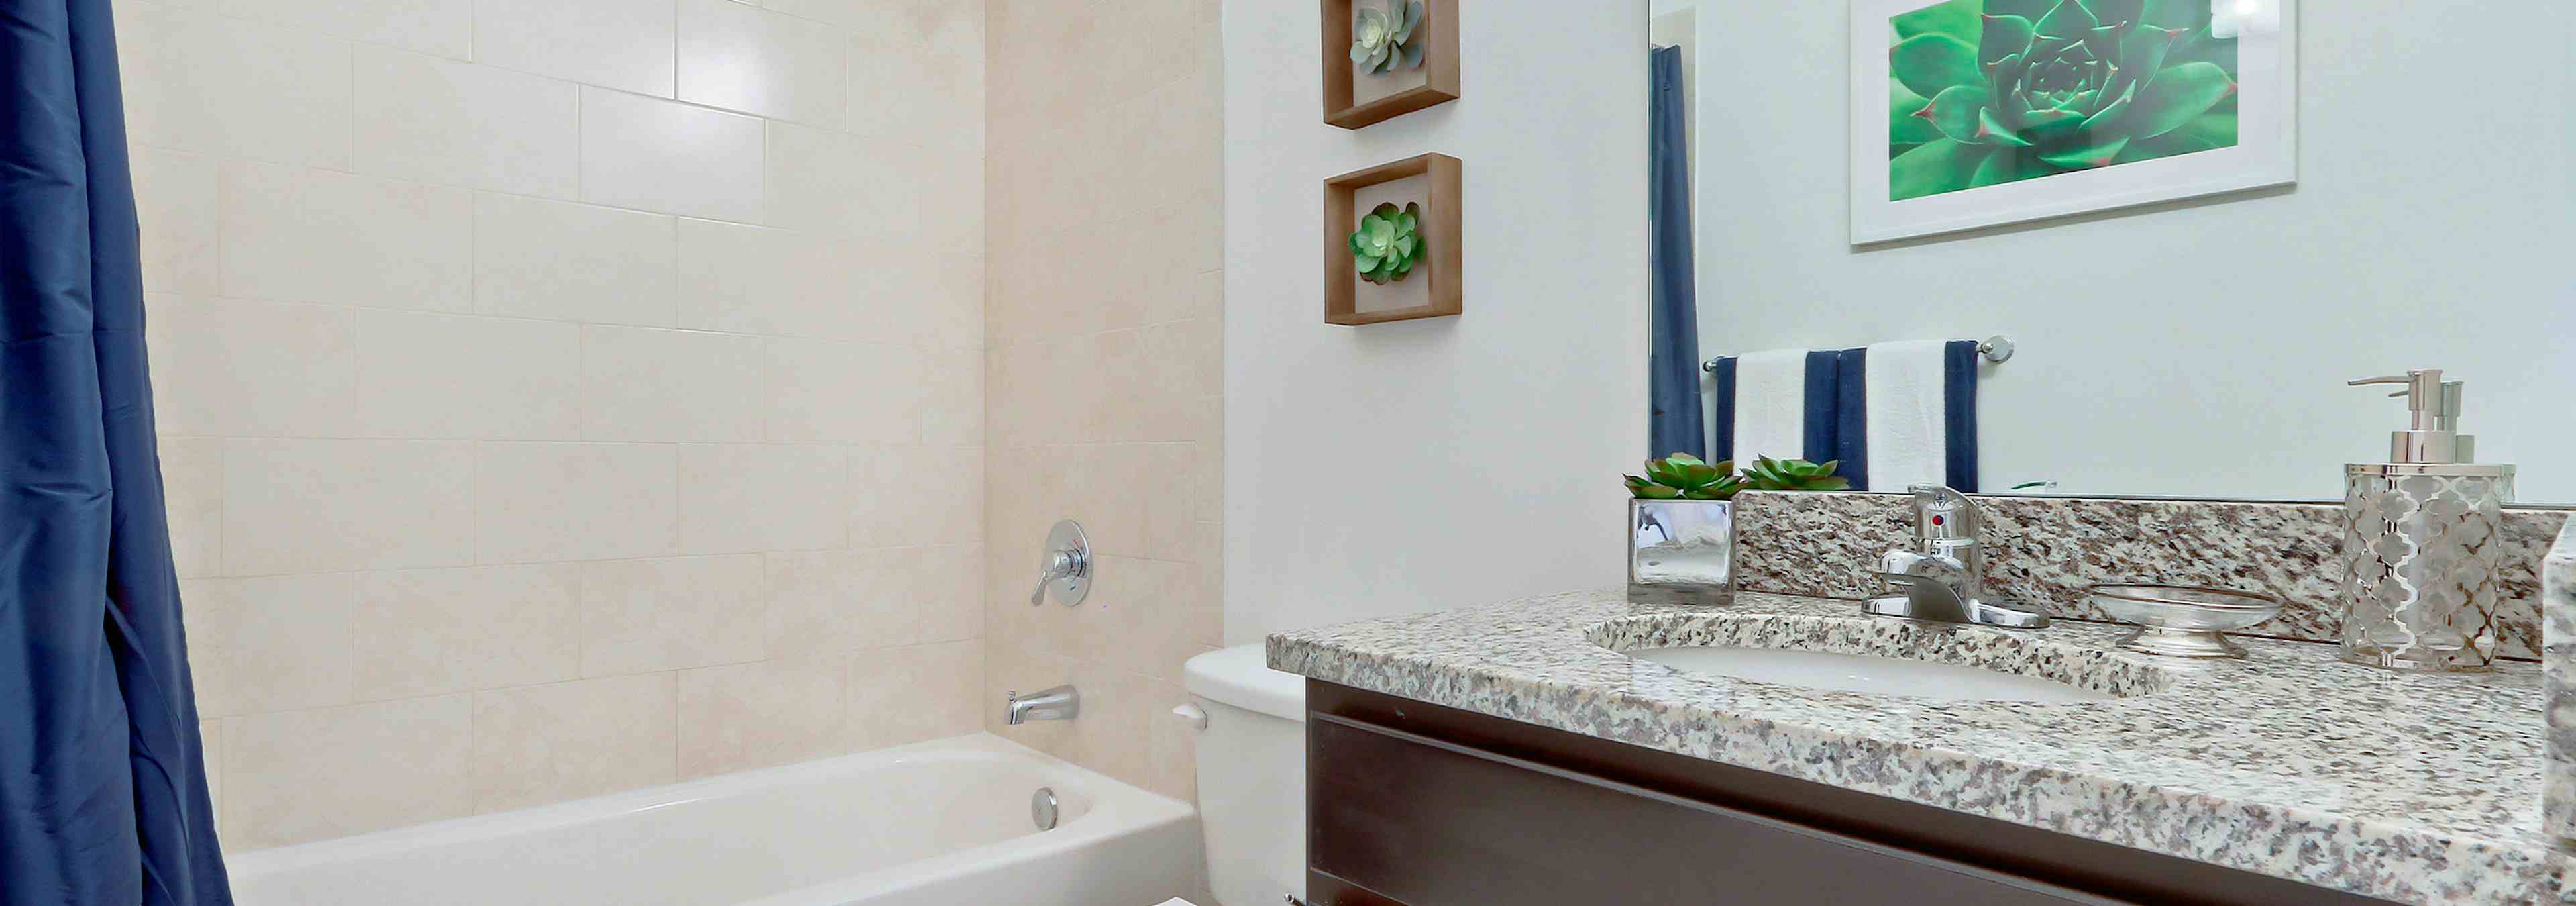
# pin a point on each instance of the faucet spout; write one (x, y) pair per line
(1058, 703)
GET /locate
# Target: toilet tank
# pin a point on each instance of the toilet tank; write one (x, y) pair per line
(1251, 776)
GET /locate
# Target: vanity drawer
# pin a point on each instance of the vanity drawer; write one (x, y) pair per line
(1403, 817)
(1411, 802)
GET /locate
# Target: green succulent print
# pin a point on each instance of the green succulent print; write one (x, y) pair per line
(1983, 92)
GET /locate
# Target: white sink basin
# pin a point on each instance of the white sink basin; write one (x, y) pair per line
(1863, 673)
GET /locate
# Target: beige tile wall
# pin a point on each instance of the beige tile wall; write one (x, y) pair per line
(1102, 379)
(563, 396)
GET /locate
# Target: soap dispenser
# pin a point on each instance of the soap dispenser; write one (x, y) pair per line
(2422, 540)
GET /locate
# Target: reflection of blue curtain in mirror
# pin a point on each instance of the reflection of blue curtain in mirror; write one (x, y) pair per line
(102, 787)
(1673, 383)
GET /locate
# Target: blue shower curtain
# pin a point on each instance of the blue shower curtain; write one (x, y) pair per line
(102, 784)
(1673, 365)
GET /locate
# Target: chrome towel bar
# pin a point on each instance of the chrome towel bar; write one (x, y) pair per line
(1997, 349)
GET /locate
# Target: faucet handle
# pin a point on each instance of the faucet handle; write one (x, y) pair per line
(1059, 564)
(1064, 566)
(1941, 513)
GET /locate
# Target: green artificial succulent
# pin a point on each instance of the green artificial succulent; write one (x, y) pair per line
(1767, 474)
(1682, 476)
(1983, 92)
(1381, 40)
(1388, 243)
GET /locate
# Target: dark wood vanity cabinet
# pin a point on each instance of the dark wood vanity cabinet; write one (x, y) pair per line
(1422, 805)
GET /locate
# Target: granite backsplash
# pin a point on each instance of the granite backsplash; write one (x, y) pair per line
(2045, 550)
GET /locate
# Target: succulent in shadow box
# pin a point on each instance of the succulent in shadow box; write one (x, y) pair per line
(1767, 474)
(1984, 92)
(1388, 244)
(1381, 40)
(1682, 476)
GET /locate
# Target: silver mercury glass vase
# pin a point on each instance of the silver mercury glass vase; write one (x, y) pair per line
(1680, 551)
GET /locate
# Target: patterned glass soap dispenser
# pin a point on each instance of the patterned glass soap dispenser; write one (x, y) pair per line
(2423, 541)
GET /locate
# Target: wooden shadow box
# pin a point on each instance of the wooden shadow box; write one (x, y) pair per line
(1432, 290)
(1352, 101)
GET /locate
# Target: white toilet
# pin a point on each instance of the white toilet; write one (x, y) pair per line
(1252, 775)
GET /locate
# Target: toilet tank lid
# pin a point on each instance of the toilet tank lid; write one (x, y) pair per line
(1239, 676)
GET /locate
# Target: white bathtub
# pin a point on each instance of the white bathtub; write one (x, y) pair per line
(942, 822)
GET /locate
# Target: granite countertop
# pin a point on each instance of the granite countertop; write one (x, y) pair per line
(2289, 763)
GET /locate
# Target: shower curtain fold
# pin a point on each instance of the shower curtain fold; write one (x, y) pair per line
(1676, 423)
(102, 784)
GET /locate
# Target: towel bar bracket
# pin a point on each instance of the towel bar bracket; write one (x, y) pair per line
(1997, 349)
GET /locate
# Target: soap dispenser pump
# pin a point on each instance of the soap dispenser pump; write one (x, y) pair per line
(2422, 540)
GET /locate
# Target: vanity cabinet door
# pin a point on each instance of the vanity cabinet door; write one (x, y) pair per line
(1398, 816)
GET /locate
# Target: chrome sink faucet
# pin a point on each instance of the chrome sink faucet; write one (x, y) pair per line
(1943, 579)
(1059, 703)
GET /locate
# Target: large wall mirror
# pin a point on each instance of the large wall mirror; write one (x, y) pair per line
(2196, 219)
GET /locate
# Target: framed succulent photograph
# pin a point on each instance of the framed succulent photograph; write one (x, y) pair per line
(1386, 58)
(1392, 245)
(1976, 113)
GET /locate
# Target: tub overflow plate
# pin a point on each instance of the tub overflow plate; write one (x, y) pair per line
(1042, 808)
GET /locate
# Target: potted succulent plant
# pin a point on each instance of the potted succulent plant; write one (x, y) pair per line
(1681, 521)
(1681, 532)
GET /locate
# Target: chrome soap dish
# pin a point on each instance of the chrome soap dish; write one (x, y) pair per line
(2183, 620)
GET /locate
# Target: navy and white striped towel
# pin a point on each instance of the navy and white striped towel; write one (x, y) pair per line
(1779, 403)
(1893, 413)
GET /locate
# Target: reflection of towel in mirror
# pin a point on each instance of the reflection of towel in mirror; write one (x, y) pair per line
(1903, 406)
(1908, 414)
(1778, 403)
(1893, 413)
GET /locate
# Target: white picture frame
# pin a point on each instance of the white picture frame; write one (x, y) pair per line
(2266, 153)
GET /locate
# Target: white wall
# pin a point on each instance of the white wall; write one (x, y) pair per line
(1436, 463)
(2197, 349)
(547, 389)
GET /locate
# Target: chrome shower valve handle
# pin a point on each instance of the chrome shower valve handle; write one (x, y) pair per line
(1065, 566)
(1061, 564)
